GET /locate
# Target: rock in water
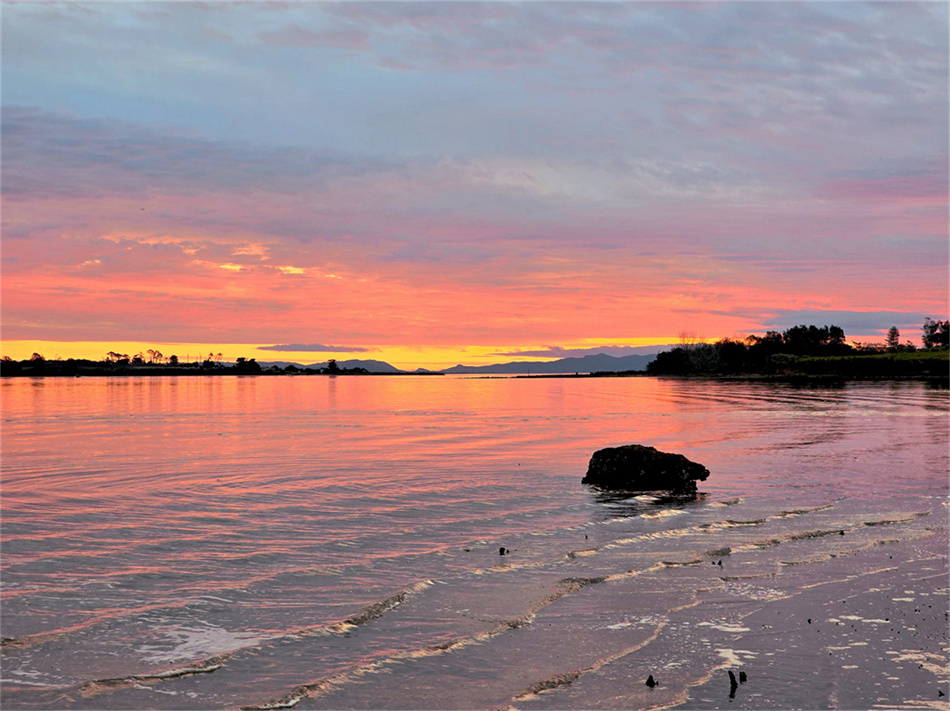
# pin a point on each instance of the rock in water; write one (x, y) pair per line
(634, 467)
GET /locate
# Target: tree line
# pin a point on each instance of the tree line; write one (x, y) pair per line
(153, 362)
(809, 349)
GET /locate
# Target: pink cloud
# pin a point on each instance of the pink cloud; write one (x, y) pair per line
(297, 36)
(923, 188)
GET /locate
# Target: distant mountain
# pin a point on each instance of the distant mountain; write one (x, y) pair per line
(373, 366)
(599, 363)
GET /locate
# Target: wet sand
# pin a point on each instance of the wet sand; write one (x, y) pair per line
(849, 616)
(872, 635)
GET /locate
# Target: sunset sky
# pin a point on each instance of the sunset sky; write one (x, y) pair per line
(441, 183)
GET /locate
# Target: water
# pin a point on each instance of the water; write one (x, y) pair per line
(323, 542)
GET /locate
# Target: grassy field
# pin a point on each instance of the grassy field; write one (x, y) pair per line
(915, 363)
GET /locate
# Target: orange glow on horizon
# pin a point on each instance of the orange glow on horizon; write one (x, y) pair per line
(432, 357)
(404, 357)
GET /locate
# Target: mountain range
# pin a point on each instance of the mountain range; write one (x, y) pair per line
(598, 363)
(373, 366)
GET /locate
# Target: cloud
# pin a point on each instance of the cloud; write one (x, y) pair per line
(296, 36)
(49, 154)
(560, 352)
(862, 323)
(313, 348)
(502, 173)
(923, 186)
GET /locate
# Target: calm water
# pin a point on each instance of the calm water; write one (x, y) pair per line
(333, 543)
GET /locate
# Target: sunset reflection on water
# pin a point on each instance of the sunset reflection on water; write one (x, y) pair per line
(177, 518)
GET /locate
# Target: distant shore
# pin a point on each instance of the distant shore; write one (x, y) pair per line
(70, 369)
(721, 361)
(793, 378)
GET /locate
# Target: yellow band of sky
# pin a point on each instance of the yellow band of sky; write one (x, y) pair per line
(433, 357)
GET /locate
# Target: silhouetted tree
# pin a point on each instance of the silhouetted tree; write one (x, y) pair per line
(332, 367)
(772, 353)
(936, 334)
(893, 339)
(36, 357)
(761, 347)
(671, 362)
(804, 340)
(732, 355)
(173, 359)
(8, 366)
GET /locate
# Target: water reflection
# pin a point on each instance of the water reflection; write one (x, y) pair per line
(136, 508)
(625, 504)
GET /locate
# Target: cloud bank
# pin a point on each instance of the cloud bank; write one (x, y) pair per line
(495, 175)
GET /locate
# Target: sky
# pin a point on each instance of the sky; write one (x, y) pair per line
(448, 182)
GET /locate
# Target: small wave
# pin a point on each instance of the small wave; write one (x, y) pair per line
(563, 587)
(820, 533)
(750, 576)
(727, 502)
(206, 666)
(569, 677)
(679, 563)
(581, 553)
(803, 511)
(106, 616)
(722, 626)
(664, 513)
(378, 609)
(901, 518)
(363, 617)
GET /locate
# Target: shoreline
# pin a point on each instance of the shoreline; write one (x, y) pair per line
(791, 378)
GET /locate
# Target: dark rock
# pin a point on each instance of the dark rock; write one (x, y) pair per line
(743, 678)
(733, 685)
(634, 467)
(650, 681)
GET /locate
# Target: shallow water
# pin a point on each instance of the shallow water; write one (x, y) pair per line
(333, 543)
